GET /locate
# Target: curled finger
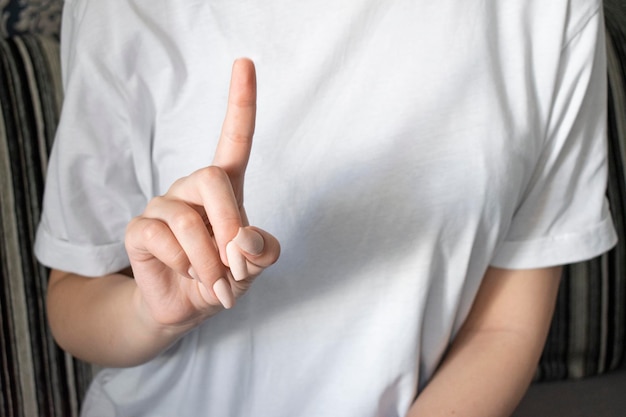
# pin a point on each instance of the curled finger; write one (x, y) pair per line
(210, 189)
(188, 224)
(149, 240)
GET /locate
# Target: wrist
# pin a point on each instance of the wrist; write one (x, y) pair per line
(156, 332)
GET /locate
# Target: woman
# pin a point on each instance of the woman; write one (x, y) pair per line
(425, 167)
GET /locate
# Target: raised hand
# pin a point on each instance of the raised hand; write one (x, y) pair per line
(192, 250)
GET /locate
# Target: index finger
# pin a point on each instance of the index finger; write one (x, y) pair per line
(233, 148)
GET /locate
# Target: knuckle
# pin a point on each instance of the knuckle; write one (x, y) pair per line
(179, 260)
(178, 182)
(210, 175)
(153, 205)
(141, 235)
(131, 233)
(157, 201)
(237, 136)
(152, 230)
(186, 220)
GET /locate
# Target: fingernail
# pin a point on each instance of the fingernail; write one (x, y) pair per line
(192, 273)
(249, 241)
(223, 293)
(236, 261)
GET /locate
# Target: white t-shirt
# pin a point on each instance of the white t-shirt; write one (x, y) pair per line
(401, 148)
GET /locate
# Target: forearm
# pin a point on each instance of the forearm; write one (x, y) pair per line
(485, 374)
(493, 358)
(110, 328)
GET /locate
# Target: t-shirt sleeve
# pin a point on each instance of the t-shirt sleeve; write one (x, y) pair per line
(564, 216)
(92, 186)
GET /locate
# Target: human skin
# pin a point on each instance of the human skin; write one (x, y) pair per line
(193, 253)
(492, 360)
(178, 253)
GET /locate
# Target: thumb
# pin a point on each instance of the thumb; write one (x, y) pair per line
(251, 251)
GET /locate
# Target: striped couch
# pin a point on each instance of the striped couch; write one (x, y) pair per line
(587, 336)
(36, 377)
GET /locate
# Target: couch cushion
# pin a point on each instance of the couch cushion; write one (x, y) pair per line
(41, 17)
(36, 377)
